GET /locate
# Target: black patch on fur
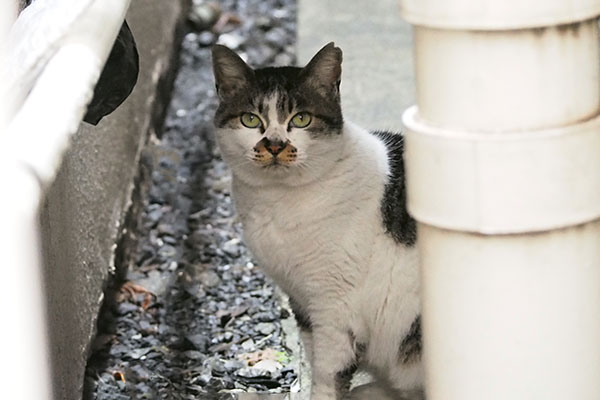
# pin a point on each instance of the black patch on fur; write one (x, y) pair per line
(398, 223)
(411, 346)
(343, 379)
(302, 318)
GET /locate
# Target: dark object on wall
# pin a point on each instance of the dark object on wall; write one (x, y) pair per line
(118, 77)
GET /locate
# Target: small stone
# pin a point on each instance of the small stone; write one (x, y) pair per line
(146, 326)
(118, 350)
(204, 15)
(265, 316)
(271, 366)
(209, 278)
(167, 251)
(191, 37)
(222, 184)
(206, 38)
(126, 308)
(155, 214)
(216, 366)
(200, 342)
(233, 365)
(248, 345)
(276, 37)
(194, 355)
(136, 354)
(281, 13)
(283, 60)
(232, 247)
(263, 22)
(252, 372)
(196, 291)
(156, 282)
(201, 237)
(265, 328)
(231, 40)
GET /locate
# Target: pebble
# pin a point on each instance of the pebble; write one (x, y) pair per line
(248, 345)
(270, 366)
(156, 282)
(209, 279)
(194, 355)
(211, 303)
(284, 59)
(265, 328)
(203, 15)
(231, 40)
(199, 341)
(253, 372)
(232, 247)
(206, 38)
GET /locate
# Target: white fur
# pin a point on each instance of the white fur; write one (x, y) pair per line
(317, 230)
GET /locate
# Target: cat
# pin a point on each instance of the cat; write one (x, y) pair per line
(322, 205)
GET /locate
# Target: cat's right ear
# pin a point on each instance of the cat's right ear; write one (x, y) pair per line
(324, 70)
(232, 74)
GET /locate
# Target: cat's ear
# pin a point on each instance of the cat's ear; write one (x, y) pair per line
(324, 71)
(232, 74)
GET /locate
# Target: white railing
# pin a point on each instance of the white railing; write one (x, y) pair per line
(503, 175)
(51, 60)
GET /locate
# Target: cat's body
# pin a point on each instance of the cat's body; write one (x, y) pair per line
(327, 221)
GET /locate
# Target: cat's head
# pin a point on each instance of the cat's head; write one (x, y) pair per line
(279, 125)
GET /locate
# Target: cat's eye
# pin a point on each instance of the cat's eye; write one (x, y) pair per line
(250, 120)
(301, 120)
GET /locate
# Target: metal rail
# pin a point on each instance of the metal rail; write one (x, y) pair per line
(51, 63)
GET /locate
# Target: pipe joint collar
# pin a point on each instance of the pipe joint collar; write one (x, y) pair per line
(497, 15)
(502, 183)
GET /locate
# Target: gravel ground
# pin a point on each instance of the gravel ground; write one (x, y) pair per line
(192, 316)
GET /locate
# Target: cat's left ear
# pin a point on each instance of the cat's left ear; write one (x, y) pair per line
(232, 74)
(324, 71)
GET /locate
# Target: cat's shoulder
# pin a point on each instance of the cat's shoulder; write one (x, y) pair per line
(398, 223)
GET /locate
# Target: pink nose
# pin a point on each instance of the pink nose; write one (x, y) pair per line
(274, 146)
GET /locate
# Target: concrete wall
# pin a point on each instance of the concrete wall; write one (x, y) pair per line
(85, 208)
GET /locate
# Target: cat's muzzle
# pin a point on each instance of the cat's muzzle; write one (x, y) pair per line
(274, 152)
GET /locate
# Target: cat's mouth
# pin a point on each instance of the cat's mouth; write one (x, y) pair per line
(274, 163)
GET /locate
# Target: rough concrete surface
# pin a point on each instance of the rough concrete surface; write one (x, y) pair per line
(377, 78)
(85, 207)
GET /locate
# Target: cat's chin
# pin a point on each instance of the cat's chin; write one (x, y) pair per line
(275, 165)
(267, 175)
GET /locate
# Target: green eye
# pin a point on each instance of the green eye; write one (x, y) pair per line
(250, 120)
(301, 120)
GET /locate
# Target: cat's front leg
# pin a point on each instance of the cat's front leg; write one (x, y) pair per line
(333, 363)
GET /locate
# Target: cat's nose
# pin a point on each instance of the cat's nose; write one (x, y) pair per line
(274, 146)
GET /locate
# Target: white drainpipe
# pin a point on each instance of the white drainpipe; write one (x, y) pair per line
(39, 112)
(503, 175)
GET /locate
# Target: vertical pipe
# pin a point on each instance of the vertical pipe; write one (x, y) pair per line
(24, 368)
(34, 134)
(24, 371)
(503, 176)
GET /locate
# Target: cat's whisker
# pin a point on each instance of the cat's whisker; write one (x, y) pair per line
(242, 163)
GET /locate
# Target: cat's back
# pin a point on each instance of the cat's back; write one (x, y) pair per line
(395, 218)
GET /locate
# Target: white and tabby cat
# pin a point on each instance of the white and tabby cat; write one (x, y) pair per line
(322, 203)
